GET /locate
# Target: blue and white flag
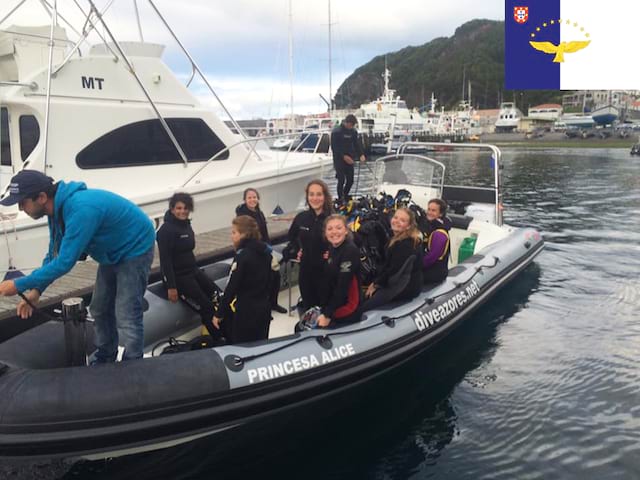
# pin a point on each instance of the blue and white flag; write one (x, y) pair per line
(571, 45)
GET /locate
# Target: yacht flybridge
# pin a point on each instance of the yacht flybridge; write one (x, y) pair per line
(116, 117)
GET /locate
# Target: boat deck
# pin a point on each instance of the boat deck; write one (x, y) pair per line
(79, 281)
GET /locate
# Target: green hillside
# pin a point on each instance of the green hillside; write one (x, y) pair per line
(476, 50)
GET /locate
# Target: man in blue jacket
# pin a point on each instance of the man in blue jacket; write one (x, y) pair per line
(114, 231)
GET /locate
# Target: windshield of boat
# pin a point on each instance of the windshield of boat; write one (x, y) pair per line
(410, 170)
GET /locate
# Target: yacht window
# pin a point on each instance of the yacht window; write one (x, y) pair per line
(5, 145)
(29, 135)
(147, 143)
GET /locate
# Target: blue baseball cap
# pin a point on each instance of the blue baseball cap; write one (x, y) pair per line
(26, 183)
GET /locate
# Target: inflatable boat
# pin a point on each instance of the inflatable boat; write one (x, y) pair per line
(50, 409)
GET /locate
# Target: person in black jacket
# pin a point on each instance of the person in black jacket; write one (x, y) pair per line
(340, 275)
(251, 207)
(346, 149)
(180, 273)
(400, 277)
(245, 308)
(307, 238)
(435, 264)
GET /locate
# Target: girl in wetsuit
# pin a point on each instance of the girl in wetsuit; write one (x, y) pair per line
(245, 307)
(180, 273)
(435, 264)
(251, 207)
(341, 302)
(306, 234)
(400, 277)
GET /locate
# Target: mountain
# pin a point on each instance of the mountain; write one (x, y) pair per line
(475, 52)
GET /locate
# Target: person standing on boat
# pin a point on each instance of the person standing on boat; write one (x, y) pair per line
(245, 308)
(340, 275)
(400, 277)
(110, 228)
(180, 273)
(435, 264)
(307, 236)
(346, 149)
(251, 207)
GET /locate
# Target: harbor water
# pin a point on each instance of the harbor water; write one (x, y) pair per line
(541, 382)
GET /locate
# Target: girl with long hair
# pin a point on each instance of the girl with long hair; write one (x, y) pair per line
(309, 244)
(245, 308)
(400, 277)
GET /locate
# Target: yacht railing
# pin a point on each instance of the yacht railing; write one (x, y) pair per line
(87, 31)
(496, 155)
(31, 86)
(254, 140)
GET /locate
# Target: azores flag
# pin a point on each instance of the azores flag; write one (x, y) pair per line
(571, 45)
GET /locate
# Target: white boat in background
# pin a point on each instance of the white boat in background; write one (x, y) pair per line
(546, 111)
(139, 132)
(508, 118)
(389, 112)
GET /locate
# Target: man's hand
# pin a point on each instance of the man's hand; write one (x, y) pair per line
(24, 310)
(216, 322)
(172, 294)
(347, 159)
(8, 288)
(363, 158)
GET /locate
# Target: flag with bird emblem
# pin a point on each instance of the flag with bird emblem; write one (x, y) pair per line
(571, 45)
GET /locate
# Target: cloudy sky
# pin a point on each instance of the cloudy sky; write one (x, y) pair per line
(242, 45)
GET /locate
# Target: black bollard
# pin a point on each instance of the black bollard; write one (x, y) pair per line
(74, 315)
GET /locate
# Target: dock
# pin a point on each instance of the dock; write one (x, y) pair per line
(80, 280)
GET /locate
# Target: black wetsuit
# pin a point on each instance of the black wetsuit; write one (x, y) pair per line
(344, 141)
(341, 278)
(258, 216)
(437, 262)
(306, 232)
(176, 242)
(390, 285)
(245, 307)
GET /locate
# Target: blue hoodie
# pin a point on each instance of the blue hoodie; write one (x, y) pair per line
(107, 226)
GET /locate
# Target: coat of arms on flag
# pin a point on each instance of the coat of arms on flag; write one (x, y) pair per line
(521, 14)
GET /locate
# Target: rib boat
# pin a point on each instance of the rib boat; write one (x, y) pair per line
(53, 409)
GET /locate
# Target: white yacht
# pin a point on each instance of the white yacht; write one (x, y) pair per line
(389, 112)
(138, 131)
(508, 118)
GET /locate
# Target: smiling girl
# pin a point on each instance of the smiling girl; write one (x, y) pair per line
(306, 233)
(340, 275)
(400, 277)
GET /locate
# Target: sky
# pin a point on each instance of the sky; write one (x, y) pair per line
(243, 45)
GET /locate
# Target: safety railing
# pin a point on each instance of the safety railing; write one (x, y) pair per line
(496, 156)
(293, 147)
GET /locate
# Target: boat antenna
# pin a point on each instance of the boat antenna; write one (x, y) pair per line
(47, 112)
(291, 65)
(135, 6)
(331, 106)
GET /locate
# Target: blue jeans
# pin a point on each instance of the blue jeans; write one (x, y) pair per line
(117, 306)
